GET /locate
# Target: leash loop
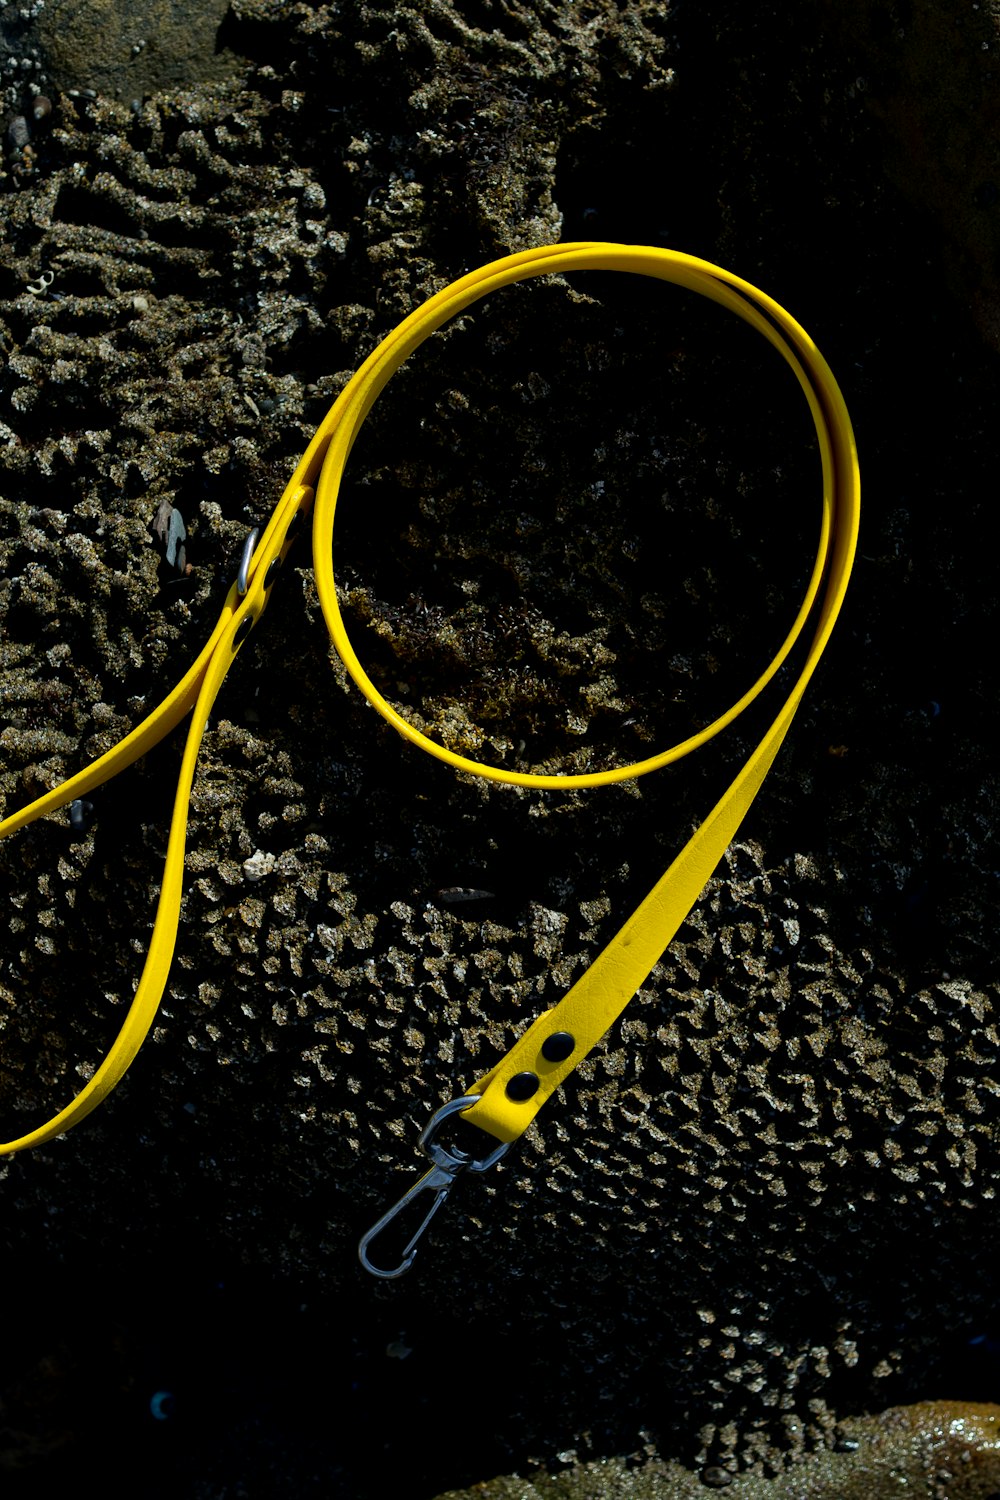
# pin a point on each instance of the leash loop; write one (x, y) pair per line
(512, 1093)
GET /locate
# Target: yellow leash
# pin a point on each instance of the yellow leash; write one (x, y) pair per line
(505, 1101)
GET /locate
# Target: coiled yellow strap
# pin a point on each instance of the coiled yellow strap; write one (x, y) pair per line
(513, 1092)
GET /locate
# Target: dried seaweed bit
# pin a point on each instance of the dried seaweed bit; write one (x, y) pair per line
(176, 535)
(169, 529)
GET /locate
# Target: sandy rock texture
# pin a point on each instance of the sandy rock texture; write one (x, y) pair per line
(574, 529)
(936, 1449)
(126, 51)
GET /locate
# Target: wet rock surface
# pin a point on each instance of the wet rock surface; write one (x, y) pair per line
(574, 529)
(936, 1449)
(120, 50)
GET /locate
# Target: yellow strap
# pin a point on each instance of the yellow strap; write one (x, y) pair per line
(599, 997)
(512, 1093)
(195, 693)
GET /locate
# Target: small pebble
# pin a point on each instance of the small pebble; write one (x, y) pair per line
(258, 865)
(80, 816)
(161, 1406)
(18, 133)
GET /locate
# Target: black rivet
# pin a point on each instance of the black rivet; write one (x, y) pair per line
(243, 630)
(522, 1086)
(272, 572)
(558, 1046)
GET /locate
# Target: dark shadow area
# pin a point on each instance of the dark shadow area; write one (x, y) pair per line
(198, 1377)
(781, 180)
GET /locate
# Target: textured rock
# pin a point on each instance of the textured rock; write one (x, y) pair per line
(571, 532)
(127, 50)
(937, 1449)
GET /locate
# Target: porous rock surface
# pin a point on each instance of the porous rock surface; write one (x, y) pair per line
(937, 1449)
(571, 532)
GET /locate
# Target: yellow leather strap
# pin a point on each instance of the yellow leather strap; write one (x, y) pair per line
(511, 1094)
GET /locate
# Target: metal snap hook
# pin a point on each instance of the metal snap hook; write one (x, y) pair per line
(449, 1162)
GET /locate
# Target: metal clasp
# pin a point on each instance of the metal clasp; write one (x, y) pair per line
(449, 1163)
